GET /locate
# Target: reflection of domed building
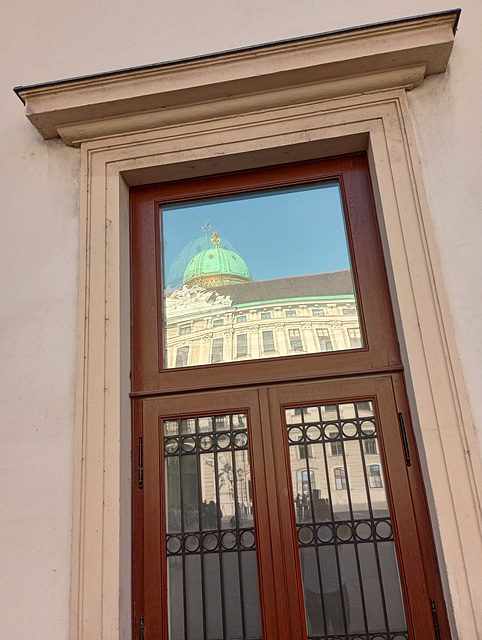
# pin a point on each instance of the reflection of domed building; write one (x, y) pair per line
(192, 249)
(215, 267)
(221, 315)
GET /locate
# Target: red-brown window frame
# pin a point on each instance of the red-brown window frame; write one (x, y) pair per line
(380, 351)
(380, 354)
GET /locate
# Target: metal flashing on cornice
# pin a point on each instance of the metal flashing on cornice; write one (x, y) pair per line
(381, 56)
(156, 65)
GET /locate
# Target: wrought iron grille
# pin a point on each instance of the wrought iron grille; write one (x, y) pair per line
(349, 573)
(210, 540)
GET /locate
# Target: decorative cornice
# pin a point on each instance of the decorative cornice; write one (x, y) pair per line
(372, 58)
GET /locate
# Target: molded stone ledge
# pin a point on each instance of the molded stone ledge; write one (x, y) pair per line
(390, 55)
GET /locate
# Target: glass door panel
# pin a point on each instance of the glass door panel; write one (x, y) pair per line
(201, 524)
(281, 513)
(349, 516)
(347, 555)
(212, 584)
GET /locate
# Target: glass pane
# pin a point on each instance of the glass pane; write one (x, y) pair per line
(210, 542)
(273, 265)
(175, 598)
(347, 554)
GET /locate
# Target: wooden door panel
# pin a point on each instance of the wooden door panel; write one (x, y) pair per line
(282, 518)
(396, 485)
(157, 413)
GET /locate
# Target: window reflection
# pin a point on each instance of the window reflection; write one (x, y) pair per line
(347, 554)
(272, 265)
(212, 579)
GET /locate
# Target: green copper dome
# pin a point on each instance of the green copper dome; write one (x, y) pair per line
(215, 267)
(178, 267)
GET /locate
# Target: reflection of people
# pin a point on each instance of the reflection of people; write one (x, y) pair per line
(333, 581)
(240, 517)
(210, 514)
(303, 509)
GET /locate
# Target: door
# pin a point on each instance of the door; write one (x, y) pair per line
(281, 512)
(277, 492)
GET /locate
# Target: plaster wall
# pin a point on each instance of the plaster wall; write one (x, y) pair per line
(39, 204)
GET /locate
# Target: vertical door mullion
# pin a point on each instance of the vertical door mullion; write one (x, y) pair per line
(283, 530)
(421, 514)
(155, 569)
(406, 535)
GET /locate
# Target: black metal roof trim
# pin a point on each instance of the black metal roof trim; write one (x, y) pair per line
(374, 25)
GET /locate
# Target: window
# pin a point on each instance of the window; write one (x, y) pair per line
(268, 341)
(202, 258)
(241, 344)
(306, 481)
(330, 412)
(340, 478)
(347, 311)
(316, 311)
(374, 476)
(181, 356)
(295, 340)
(354, 338)
(324, 339)
(370, 446)
(305, 451)
(265, 315)
(336, 448)
(217, 350)
(184, 329)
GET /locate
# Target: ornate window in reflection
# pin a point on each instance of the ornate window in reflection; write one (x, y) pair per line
(374, 475)
(182, 356)
(242, 345)
(340, 478)
(347, 555)
(279, 256)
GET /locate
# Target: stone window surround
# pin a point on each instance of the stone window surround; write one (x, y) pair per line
(290, 101)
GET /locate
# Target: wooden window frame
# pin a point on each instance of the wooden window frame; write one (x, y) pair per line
(380, 351)
(151, 382)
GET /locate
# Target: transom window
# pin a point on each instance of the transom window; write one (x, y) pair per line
(181, 356)
(224, 256)
(296, 343)
(374, 475)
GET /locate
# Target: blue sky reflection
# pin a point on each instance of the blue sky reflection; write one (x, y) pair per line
(278, 232)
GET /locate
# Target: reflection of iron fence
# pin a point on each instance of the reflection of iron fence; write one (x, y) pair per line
(345, 537)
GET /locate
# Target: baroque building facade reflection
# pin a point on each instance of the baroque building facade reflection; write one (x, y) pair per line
(221, 315)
